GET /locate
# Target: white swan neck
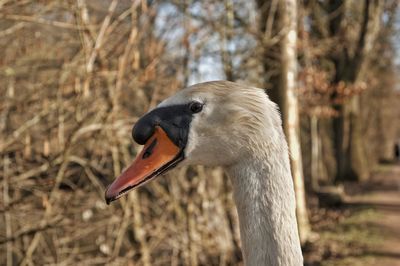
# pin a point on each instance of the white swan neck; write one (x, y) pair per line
(265, 201)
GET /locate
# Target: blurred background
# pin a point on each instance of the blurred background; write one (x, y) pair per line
(76, 75)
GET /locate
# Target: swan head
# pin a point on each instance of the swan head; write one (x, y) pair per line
(212, 124)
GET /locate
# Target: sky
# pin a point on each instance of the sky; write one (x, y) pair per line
(210, 67)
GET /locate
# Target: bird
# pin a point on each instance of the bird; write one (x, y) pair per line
(237, 127)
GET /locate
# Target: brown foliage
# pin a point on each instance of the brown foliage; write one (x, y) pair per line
(317, 93)
(75, 76)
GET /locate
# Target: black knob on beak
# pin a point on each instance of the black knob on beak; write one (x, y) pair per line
(174, 120)
(144, 128)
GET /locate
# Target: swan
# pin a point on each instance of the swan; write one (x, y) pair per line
(221, 123)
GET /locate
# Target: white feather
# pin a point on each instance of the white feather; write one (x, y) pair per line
(240, 129)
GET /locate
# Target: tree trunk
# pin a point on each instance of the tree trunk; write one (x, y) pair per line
(350, 154)
(269, 29)
(328, 164)
(226, 39)
(315, 161)
(290, 110)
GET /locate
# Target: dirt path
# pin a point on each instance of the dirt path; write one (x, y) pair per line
(382, 193)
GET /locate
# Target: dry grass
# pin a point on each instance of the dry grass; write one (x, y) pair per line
(66, 112)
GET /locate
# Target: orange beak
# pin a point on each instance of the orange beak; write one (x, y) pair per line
(159, 154)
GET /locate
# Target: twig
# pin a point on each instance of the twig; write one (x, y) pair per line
(33, 230)
(17, 133)
(59, 24)
(7, 215)
(31, 173)
(12, 29)
(138, 228)
(97, 45)
(124, 58)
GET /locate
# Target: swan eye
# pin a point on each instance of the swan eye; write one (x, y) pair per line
(196, 107)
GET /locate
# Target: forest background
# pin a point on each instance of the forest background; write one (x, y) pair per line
(76, 75)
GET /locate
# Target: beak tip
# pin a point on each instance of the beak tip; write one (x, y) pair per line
(109, 198)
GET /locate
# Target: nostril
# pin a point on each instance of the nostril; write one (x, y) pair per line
(149, 150)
